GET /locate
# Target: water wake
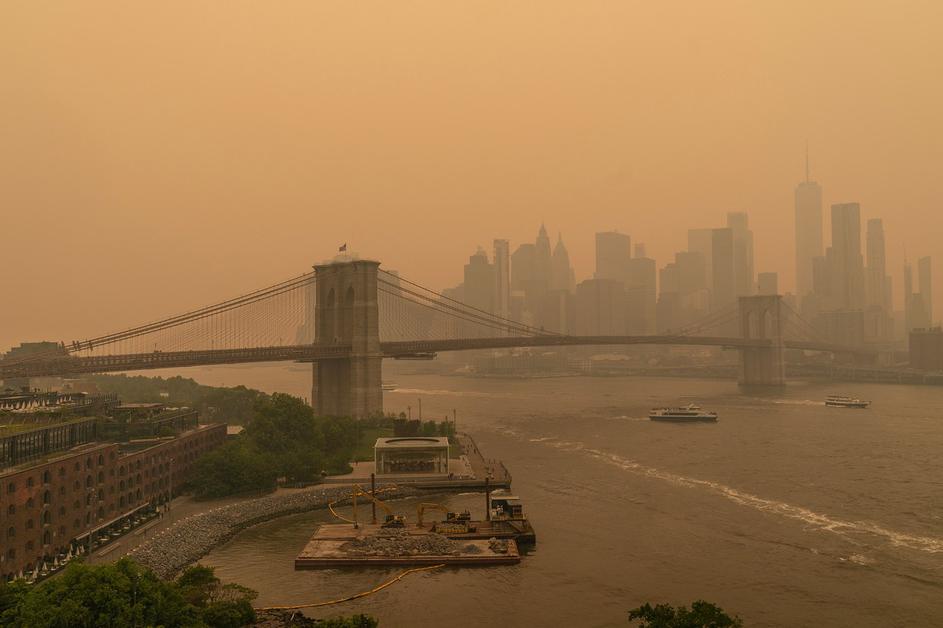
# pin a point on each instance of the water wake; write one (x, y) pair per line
(817, 520)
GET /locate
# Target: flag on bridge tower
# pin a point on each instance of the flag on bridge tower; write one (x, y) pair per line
(342, 248)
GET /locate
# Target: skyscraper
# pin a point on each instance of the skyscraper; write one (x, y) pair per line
(878, 307)
(699, 241)
(846, 263)
(926, 287)
(723, 285)
(808, 204)
(502, 278)
(641, 295)
(542, 259)
(908, 297)
(561, 273)
(479, 282)
(523, 266)
(613, 251)
(743, 272)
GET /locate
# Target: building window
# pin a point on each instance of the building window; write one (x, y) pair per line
(88, 463)
(47, 477)
(77, 485)
(11, 553)
(29, 502)
(29, 481)
(47, 537)
(29, 524)
(11, 509)
(29, 545)
(11, 532)
(78, 467)
(89, 481)
(101, 476)
(47, 497)
(47, 518)
(11, 487)
(101, 459)
(61, 471)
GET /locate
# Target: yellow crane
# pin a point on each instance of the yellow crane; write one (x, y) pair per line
(391, 521)
(421, 508)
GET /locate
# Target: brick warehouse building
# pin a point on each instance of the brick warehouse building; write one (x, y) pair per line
(52, 505)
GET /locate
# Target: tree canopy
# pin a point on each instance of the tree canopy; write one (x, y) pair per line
(701, 615)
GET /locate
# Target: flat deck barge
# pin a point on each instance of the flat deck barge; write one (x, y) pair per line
(329, 547)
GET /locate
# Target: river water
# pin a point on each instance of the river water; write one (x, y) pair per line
(785, 512)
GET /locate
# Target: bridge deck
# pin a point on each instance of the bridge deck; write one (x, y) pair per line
(69, 365)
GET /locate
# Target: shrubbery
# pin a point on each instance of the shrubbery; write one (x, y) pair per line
(283, 439)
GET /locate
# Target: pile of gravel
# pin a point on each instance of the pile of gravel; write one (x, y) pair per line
(188, 540)
(400, 543)
(498, 546)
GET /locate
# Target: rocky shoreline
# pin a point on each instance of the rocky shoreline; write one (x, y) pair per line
(188, 540)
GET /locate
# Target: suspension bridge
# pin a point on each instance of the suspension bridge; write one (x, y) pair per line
(345, 317)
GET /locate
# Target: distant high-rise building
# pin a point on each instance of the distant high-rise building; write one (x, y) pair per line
(925, 280)
(502, 278)
(479, 282)
(641, 296)
(723, 283)
(613, 251)
(743, 272)
(699, 241)
(878, 306)
(845, 260)
(639, 250)
(523, 266)
(561, 273)
(767, 283)
(599, 308)
(542, 260)
(908, 297)
(808, 205)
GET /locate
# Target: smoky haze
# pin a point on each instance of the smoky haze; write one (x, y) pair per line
(158, 157)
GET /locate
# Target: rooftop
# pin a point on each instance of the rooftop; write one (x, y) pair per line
(412, 442)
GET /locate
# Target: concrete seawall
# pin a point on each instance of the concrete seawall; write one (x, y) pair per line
(188, 540)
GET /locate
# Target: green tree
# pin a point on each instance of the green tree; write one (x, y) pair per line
(284, 428)
(120, 595)
(701, 615)
(353, 621)
(235, 467)
(221, 605)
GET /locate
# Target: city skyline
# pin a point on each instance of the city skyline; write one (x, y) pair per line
(207, 165)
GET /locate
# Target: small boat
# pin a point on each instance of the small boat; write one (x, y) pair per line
(690, 413)
(840, 401)
(389, 386)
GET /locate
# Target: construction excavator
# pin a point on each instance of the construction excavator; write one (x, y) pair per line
(392, 520)
(455, 523)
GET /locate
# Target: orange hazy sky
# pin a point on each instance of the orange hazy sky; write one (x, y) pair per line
(160, 156)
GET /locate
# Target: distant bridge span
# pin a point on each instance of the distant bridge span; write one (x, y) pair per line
(69, 365)
(340, 307)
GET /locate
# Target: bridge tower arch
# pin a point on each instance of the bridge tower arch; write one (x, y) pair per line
(761, 317)
(346, 313)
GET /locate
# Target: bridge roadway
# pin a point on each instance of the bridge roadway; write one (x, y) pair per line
(68, 365)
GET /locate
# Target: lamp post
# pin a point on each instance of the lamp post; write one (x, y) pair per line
(171, 499)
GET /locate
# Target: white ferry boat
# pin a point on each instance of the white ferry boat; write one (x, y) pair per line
(688, 414)
(840, 401)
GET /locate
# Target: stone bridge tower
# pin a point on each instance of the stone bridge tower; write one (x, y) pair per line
(761, 317)
(346, 313)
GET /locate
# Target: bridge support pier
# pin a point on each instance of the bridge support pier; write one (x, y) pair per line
(761, 317)
(346, 313)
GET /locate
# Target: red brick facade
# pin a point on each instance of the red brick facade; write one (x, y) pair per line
(45, 507)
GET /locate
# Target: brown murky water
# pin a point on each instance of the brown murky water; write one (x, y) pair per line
(785, 512)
